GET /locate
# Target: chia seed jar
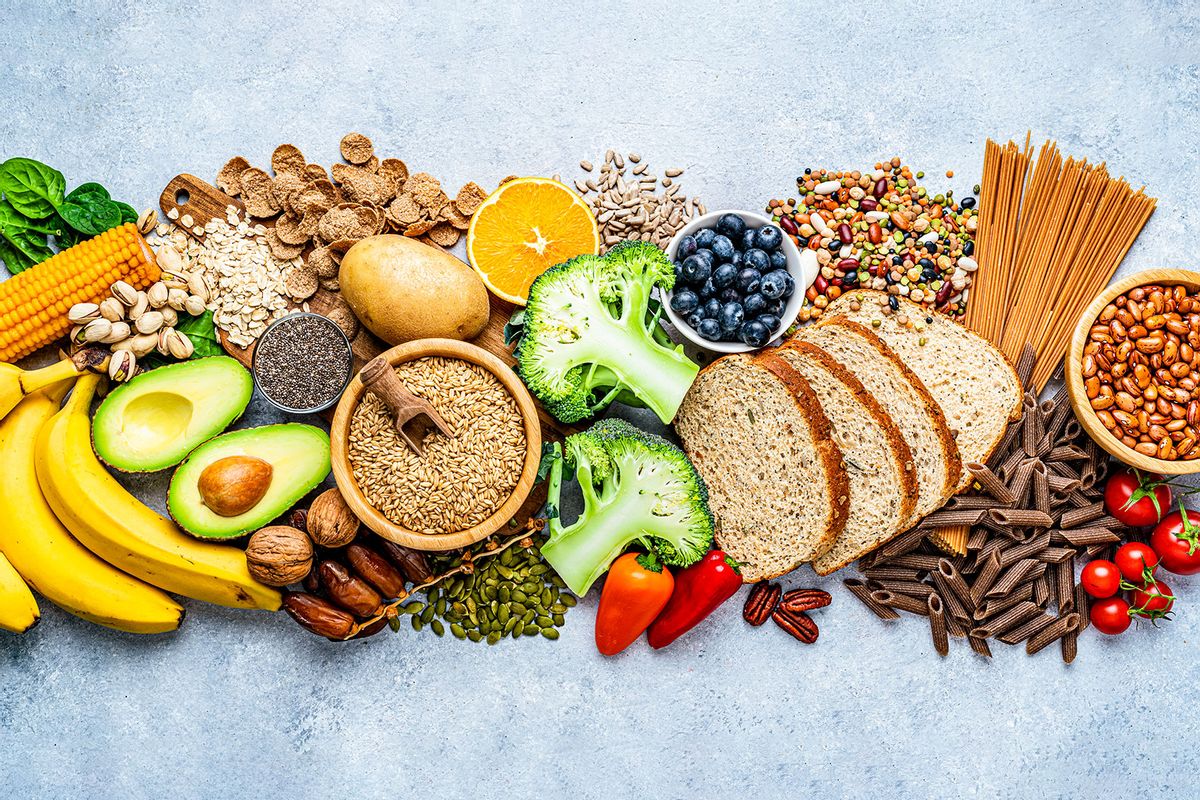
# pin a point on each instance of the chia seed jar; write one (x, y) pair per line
(302, 363)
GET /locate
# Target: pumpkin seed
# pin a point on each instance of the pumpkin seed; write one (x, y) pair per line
(518, 608)
(417, 624)
(528, 616)
(544, 621)
(568, 600)
(532, 630)
(493, 637)
(475, 636)
(559, 619)
(427, 614)
(505, 594)
(458, 631)
(518, 629)
(547, 600)
(502, 614)
(508, 626)
(440, 607)
(519, 597)
(550, 633)
(413, 608)
(438, 628)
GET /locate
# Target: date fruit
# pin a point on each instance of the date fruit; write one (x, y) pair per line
(411, 562)
(319, 616)
(761, 602)
(376, 570)
(348, 590)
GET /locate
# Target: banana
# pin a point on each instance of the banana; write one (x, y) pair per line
(122, 530)
(58, 567)
(18, 610)
(17, 383)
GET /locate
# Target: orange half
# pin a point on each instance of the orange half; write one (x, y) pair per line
(525, 227)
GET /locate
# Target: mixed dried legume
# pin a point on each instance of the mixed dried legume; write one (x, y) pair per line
(881, 230)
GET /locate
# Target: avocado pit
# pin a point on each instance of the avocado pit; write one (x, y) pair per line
(235, 484)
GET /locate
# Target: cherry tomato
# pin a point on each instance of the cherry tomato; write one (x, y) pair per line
(1138, 499)
(1133, 559)
(1110, 616)
(1153, 601)
(1177, 541)
(1100, 578)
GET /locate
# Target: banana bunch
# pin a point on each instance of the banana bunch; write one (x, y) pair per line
(82, 541)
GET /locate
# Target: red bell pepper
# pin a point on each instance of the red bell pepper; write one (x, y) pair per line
(699, 590)
(635, 591)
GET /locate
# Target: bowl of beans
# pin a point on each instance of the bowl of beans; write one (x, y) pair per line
(460, 488)
(1133, 371)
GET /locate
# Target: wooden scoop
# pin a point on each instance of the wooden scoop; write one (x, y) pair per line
(379, 377)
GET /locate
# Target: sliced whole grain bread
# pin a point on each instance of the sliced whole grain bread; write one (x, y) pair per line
(879, 463)
(975, 385)
(904, 398)
(775, 479)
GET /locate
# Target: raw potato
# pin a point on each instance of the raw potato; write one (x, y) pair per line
(404, 290)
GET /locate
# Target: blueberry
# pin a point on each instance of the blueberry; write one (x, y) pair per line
(687, 246)
(731, 317)
(754, 333)
(696, 270)
(790, 288)
(704, 238)
(771, 322)
(678, 271)
(768, 238)
(754, 304)
(724, 275)
(709, 329)
(695, 318)
(731, 225)
(706, 290)
(722, 249)
(684, 301)
(748, 280)
(737, 258)
(757, 259)
(774, 284)
(729, 295)
(712, 307)
(778, 260)
(775, 307)
(748, 240)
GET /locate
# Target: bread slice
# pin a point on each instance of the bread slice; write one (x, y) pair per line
(906, 401)
(776, 483)
(878, 462)
(971, 380)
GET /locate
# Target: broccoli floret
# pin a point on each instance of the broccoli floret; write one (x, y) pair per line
(591, 335)
(636, 487)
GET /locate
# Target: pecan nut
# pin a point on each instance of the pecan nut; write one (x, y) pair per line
(761, 602)
(800, 626)
(319, 616)
(798, 601)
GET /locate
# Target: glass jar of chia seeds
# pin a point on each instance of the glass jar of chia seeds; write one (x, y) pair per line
(302, 363)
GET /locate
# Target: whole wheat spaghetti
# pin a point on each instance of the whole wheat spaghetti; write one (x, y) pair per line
(1052, 232)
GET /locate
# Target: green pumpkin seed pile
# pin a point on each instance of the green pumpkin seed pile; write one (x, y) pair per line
(513, 594)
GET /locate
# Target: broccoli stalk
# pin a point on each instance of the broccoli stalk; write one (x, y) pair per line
(636, 487)
(591, 335)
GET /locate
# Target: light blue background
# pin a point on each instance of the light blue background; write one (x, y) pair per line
(245, 704)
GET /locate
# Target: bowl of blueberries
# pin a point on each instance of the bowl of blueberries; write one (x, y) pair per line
(739, 281)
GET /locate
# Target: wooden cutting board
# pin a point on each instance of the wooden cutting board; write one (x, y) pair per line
(187, 194)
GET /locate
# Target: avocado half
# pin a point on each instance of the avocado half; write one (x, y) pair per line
(299, 459)
(152, 421)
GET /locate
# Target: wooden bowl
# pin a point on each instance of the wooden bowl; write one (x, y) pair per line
(376, 521)
(1074, 377)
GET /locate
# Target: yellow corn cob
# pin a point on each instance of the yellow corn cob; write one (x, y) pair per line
(34, 303)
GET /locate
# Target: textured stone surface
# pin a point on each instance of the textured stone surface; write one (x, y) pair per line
(238, 704)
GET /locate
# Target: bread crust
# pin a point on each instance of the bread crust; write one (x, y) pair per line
(902, 453)
(831, 455)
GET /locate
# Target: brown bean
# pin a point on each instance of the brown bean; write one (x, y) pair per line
(1126, 420)
(1130, 386)
(1141, 374)
(1124, 350)
(1177, 326)
(1108, 312)
(1117, 330)
(1150, 394)
(1102, 402)
(1158, 432)
(1185, 447)
(1165, 449)
(1176, 425)
(1193, 414)
(1089, 365)
(1106, 419)
(1154, 322)
(1091, 387)
(1151, 343)
(1119, 369)
(1146, 448)
(1170, 353)
(1179, 369)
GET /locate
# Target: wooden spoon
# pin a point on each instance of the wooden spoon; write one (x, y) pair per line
(379, 377)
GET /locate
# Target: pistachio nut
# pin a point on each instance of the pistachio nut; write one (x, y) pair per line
(124, 292)
(83, 313)
(147, 221)
(77, 334)
(96, 330)
(149, 322)
(178, 344)
(143, 344)
(119, 333)
(163, 345)
(170, 316)
(169, 259)
(198, 286)
(139, 307)
(194, 305)
(158, 294)
(122, 365)
(112, 309)
(177, 298)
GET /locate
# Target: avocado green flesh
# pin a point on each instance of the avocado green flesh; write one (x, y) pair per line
(153, 421)
(299, 459)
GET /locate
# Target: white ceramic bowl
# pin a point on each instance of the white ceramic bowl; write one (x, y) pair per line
(803, 272)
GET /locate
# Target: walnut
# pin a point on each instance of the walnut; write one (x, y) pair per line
(279, 555)
(331, 523)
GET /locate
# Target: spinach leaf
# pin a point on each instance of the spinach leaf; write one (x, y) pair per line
(128, 212)
(90, 210)
(14, 260)
(203, 334)
(24, 240)
(33, 188)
